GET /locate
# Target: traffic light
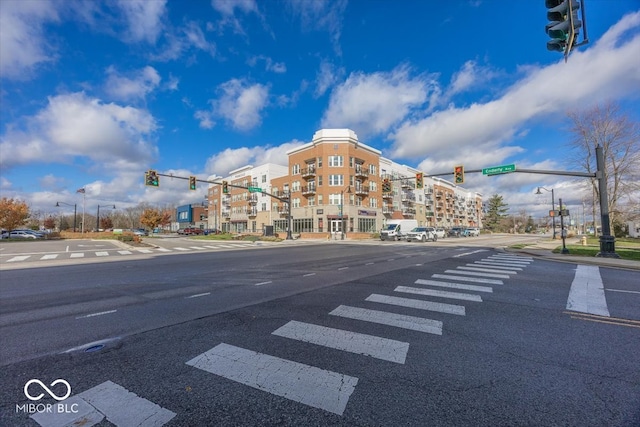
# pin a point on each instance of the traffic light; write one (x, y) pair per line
(386, 185)
(419, 180)
(192, 183)
(151, 178)
(458, 174)
(225, 187)
(564, 24)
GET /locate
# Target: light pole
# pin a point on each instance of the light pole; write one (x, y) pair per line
(553, 207)
(75, 210)
(98, 215)
(341, 209)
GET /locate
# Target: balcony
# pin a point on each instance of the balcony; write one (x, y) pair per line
(283, 210)
(252, 213)
(387, 210)
(226, 214)
(361, 172)
(405, 183)
(253, 199)
(362, 190)
(309, 172)
(408, 212)
(309, 190)
(387, 196)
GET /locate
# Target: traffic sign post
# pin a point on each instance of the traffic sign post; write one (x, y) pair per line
(496, 170)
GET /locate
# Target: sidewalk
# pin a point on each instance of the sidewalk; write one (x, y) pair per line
(544, 247)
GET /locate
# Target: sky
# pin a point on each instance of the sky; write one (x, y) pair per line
(94, 93)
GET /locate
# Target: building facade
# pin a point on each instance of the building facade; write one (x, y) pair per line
(334, 184)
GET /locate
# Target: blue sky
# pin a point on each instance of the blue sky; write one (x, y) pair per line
(95, 93)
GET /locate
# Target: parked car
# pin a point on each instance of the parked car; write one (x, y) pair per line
(441, 233)
(455, 232)
(140, 232)
(24, 234)
(471, 232)
(4, 234)
(190, 231)
(208, 231)
(422, 234)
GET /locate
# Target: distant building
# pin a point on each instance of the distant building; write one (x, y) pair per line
(191, 216)
(335, 182)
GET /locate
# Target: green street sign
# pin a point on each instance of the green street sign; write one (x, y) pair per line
(255, 190)
(499, 169)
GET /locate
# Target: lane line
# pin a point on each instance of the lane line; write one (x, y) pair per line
(587, 291)
(199, 295)
(622, 290)
(308, 274)
(340, 339)
(413, 323)
(309, 385)
(263, 283)
(102, 313)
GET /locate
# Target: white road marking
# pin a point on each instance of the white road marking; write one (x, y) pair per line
(438, 293)
(353, 342)
(494, 265)
(309, 274)
(454, 285)
(315, 387)
(469, 253)
(622, 290)
(102, 253)
(587, 292)
(475, 273)
(486, 270)
(264, 283)
(50, 256)
(77, 255)
(413, 323)
(102, 313)
(419, 304)
(199, 295)
(468, 279)
(163, 250)
(507, 256)
(342, 268)
(180, 249)
(18, 258)
(200, 248)
(145, 251)
(125, 252)
(120, 406)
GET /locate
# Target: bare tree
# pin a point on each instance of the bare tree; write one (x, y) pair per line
(619, 137)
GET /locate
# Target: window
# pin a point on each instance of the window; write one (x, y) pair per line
(336, 180)
(335, 161)
(295, 202)
(319, 162)
(320, 200)
(358, 201)
(264, 178)
(295, 169)
(373, 186)
(372, 169)
(367, 225)
(311, 201)
(373, 202)
(295, 186)
(319, 180)
(335, 199)
(350, 162)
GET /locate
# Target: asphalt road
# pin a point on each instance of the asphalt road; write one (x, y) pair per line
(303, 322)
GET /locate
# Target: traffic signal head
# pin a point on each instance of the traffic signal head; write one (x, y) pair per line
(225, 187)
(564, 24)
(192, 183)
(151, 178)
(419, 180)
(458, 174)
(386, 185)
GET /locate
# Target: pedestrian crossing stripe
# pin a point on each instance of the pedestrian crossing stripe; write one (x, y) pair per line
(292, 380)
(439, 293)
(413, 323)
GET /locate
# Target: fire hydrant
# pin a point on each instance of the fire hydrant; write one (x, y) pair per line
(584, 240)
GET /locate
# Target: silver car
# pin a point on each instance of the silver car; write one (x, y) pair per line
(422, 234)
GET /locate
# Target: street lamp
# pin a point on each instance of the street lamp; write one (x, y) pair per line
(98, 214)
(341, 209)
(75, 210)
(553, 207)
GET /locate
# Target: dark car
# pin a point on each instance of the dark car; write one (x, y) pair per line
(455, 232)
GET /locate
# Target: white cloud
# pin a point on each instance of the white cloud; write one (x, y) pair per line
(241, 103)
(136, 86)
(188, 37)
(371, 104)
(269, 64)
(227, 9)
(230, 159)
(144, 19)
(321, 15)
(22, 40)
(326, 77)
(74, 125)
(609, 69)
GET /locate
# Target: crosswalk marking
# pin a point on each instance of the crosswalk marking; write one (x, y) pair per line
(106, 400)
(145, 251)
(513, 257)
(468, 279)
(493, 265)
(419, 304)
(180, 249)
(439, 293)
(125, 252)
(49, 256)
(587, 291)
(498, 264)
(200, 248)
(413, 323)
(309, 385)
(461, 286)
(102, 253)
(77, 255)
(18, 258)
(163, 250)
(353, 342)
(486, 269)
(478, 274)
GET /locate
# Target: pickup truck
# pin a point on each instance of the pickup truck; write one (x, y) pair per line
(190, 231)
